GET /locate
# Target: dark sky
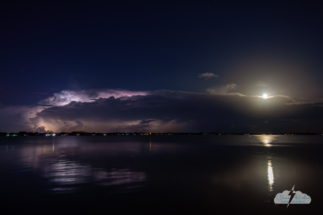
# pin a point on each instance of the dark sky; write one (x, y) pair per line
(169, 65)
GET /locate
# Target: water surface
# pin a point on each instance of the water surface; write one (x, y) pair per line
(158, 174)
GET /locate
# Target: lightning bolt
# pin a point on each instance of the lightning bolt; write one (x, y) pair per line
(292, 194)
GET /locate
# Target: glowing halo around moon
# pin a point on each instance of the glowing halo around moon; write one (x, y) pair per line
(264, 96)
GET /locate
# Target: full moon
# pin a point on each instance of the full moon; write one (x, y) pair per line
(264, 96)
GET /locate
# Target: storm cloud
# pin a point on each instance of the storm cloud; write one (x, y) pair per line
(217, 110)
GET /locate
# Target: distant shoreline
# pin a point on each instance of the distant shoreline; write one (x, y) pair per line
(143, 134)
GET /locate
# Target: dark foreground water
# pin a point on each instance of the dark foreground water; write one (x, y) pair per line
(159, 174)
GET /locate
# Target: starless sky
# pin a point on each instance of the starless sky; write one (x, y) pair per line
(161, 66)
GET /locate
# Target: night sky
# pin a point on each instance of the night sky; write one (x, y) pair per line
(161, 66)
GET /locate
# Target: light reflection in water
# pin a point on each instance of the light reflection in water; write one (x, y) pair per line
(64, 175)
(63, 172)
(119, 176)
(270, 176)
(266, 139)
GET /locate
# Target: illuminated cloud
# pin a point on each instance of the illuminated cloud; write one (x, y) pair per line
(225, 90)
(208, 75)
(42, 129)
(67, 96)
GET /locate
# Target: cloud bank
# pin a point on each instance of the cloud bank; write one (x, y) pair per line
(220, 109)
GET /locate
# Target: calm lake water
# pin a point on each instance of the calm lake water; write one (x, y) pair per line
(159, 174)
